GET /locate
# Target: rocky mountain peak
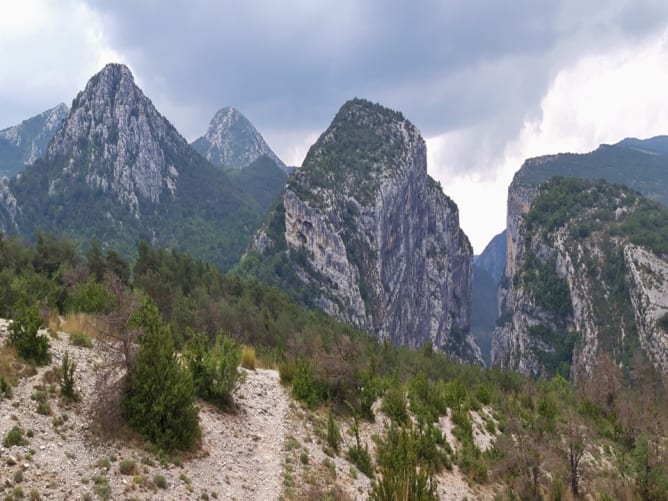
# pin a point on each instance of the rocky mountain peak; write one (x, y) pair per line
(232, 141)
(24, 143)
(371, 239)
(117, 141)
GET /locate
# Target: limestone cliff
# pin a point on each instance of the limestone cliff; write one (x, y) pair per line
(585, 276)
(362, 232)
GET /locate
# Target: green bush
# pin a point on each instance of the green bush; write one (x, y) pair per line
(159, 398)
(67, 378)
(81, 339)
(127, 467)
(403, 475)
(14, 437)
(23, 335)
(395, 405)
(160, 482)
(304, 385)
(215, 370)
(333, 433)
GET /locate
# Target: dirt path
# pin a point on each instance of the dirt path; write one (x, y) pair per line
(245, 449)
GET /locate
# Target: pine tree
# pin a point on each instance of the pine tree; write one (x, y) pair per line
(159, 400)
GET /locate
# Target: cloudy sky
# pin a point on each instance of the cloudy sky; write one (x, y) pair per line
(489, 83)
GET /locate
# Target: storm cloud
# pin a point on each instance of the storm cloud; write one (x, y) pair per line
(477, 77)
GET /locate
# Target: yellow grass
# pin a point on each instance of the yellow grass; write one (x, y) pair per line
(80, 322)
(248, 357)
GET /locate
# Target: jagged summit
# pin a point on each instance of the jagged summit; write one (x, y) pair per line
(24, 143)
(363, 233)
(118, 142)
(118, 171)
(232, 141)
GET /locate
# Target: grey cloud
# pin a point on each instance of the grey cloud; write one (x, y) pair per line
(290, 64)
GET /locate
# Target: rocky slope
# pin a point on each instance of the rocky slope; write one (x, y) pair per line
(270, 448)
(24, 143)
(363, 233)
(231, 141)
(586, 275)
(118, 171)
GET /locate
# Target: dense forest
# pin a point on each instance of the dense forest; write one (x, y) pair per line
(606, 438)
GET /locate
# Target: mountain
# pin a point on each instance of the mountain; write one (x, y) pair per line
(586, 278)
(24, 143)
(488, 270)
(639, 164)
(493, 257)
(118, 171)
(262, 180)
(231, 141)
(362, 232)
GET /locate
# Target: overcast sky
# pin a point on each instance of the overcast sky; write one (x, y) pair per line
(489, 83)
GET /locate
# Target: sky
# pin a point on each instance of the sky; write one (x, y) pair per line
(489, 83)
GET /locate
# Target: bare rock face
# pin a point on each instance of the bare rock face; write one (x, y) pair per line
(370, 238)
(113, 123)
(232, 141)
(580, 280)
(24, 143)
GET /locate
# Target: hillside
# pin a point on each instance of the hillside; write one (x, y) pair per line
(642, 165)
(587, 277)
(449, 430)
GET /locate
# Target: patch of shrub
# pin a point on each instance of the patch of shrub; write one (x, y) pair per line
(14, 437)
(24, 336)
(160, 482)
(395, 404)
(127, 467)
(67, 378)
(81, 339)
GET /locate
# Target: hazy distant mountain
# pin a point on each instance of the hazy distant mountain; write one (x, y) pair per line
(24, 143)
(639, 164)
(233, 142)
(118, 171)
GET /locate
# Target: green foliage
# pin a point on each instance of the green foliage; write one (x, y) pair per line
(24, 336)
(67, 369)
(304, 385)
(546, 287)
(427, 401)
(361, 458)
(81, 339)
(127, 467)
(214, 369)
(333, 433)
(90, 297)
(403, 474)
(14, 437)
(395, 405)
(159, 397)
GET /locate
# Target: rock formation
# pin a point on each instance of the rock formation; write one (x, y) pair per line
(363, 233)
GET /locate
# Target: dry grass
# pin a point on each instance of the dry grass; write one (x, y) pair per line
(248, 357)
(81, 322)
(10, 365)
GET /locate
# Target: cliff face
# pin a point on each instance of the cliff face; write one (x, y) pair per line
(372, 237)
(24, 143)
(582, 279)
